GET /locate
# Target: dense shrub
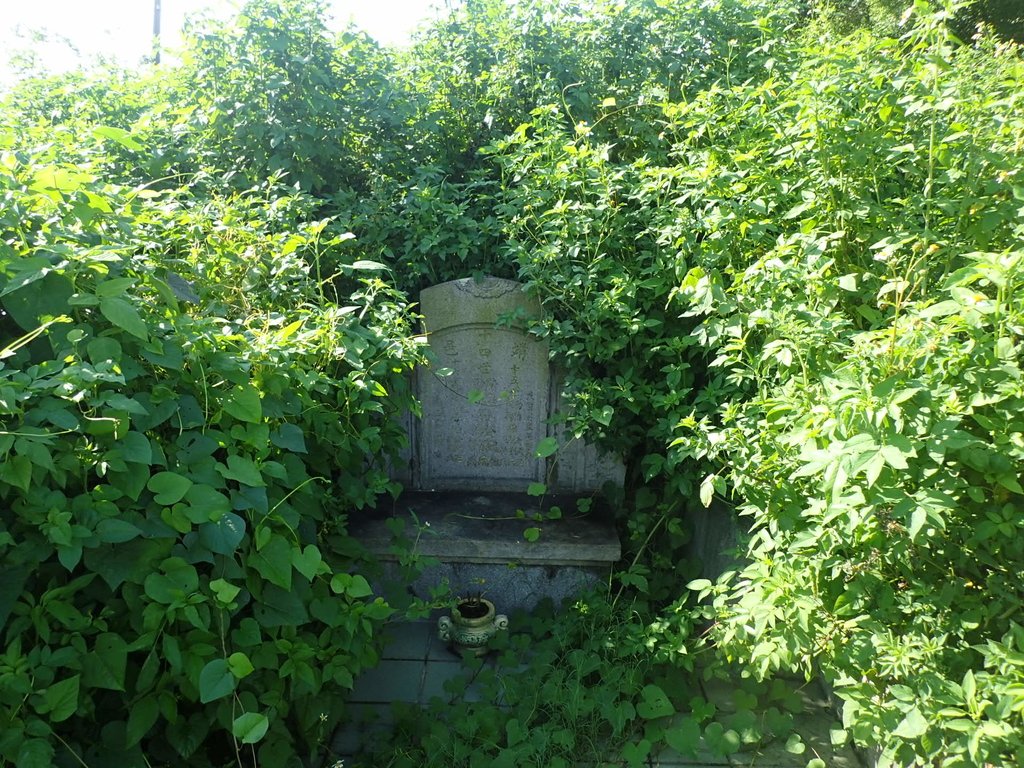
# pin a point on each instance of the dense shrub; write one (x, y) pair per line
(817, 299)
(190, 410)
(780, 270)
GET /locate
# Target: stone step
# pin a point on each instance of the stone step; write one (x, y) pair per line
(481, 544)
(475, 527)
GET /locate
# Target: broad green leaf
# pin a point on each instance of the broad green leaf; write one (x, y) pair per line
(289, 437)
(169, 487)
(106, 665)
(215, 681)
(918, 518)
(124, 316)
(60, 700)
(874, 468)
(115, 531)
(13, 577)
(654, 703)
(279, 608)
(684, 736)
(893, 456)
(635, 753)
(177, 581)
(531, 534)
(941, 309)
(206, 504)
(546, 447)
(243, 402)
(352, 585)
(17, 471)
(118, 135)
(515, 731)
(359, 587)
(970, 687)
(274, 562)
(47, 297)
(536, 489)
(114, 287)
(1009, 482)
(307, 561)
(364, 264)
(26, 272)
(240, 665)
(250, 727)
(136, 449)
(242, 470)
(912, 726)
(720, 740)
(142, 716)
(35, 753)
(223, 536)
(120, 563)
(225, 591)
(707, 490)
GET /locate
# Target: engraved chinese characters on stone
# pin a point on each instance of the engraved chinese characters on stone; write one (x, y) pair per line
(482, 423)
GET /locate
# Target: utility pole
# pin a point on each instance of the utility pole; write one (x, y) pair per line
(156, 31)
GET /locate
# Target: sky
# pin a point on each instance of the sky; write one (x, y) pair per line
(122, 29)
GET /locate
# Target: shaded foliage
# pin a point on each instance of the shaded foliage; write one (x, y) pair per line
(780, 269)
(191, 405)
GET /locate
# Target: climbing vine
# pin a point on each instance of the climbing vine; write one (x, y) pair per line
(780, 269)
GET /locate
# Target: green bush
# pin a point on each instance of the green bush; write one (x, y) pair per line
(189, 415)
(781, 272)
(812, 311)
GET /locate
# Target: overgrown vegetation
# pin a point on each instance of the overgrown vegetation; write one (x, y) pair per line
(780, 265)
(589, 684)
(194, 396)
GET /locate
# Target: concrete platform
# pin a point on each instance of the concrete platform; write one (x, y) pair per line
(476, 527)
(479, 542)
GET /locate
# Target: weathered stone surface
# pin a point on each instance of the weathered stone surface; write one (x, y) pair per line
(479, 540)
(489, 528)
(718, 540)
(580, 467)
(511, 587)
(489, 397)
(481, 423)
(487, 402)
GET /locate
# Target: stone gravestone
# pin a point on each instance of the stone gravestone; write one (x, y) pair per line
(487, 402)
(482, 421)
(490, 398)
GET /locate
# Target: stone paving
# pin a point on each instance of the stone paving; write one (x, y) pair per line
(416, 665)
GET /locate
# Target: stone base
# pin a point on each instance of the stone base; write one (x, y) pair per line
(481, 545)
(511, 587)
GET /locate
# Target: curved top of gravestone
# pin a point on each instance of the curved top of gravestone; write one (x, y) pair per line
(476, 301)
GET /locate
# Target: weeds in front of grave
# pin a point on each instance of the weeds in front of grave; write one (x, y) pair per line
(594, 684)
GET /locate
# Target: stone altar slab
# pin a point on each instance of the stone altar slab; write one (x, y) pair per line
(488, 528)
(478, 542)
